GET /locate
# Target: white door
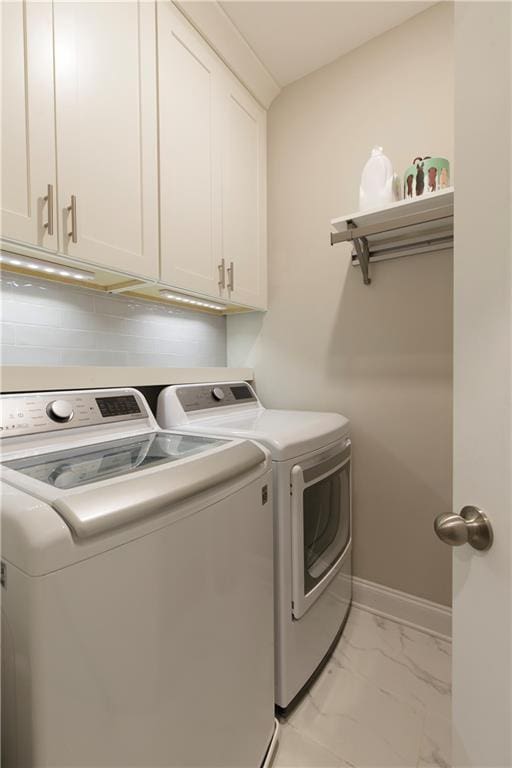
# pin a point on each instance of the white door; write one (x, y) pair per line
(244, 229)
(188, 87)
(105, 79)
(28, 126)
(482, 599)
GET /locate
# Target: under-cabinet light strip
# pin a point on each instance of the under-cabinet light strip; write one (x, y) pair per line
(193, 302)
(45, 267)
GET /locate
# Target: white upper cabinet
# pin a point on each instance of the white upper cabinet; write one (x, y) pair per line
(244, 231)
(127, 144)
(105, 82)
(212, 170)
(188, 76)
(28, 131)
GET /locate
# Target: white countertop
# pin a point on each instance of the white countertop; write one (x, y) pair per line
(28, 378)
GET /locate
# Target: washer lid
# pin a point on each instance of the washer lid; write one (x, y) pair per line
(99, 488)
(287, 434)
(101, 509)
(86, 464)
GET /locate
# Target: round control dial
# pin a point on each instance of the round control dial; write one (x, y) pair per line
(218, 393)
(60, 410)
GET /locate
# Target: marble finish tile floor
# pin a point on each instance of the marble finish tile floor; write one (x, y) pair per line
(382, 701)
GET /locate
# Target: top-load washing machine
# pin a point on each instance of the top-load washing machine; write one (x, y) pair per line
(311, 456)
(137, 581)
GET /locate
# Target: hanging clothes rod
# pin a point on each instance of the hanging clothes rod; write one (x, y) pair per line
(400, 229)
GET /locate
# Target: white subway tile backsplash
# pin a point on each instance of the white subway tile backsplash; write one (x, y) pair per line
(77, 319)
(13, 355)
(44, 336)
(43, 323)
(44, 293)
(7, 333)
(25, 312)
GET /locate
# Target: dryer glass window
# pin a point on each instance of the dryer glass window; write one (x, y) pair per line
(92, 463)
(326, 516)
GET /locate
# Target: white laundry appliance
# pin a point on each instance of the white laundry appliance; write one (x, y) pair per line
(311, 457)
(137, 573)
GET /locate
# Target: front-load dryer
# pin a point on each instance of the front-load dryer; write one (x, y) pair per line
(137, 606)
(311, 459)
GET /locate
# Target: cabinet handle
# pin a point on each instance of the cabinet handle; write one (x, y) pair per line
(222, 274)
(74, 232)
(231, 276)
(49, 200)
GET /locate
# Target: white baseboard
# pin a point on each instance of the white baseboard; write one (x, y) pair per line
(413, 611)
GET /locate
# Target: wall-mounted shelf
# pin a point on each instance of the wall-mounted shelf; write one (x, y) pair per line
(422, 225)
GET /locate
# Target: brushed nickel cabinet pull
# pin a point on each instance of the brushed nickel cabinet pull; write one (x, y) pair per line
(222, 274)
(74, 232)
(49, 199)
(231, 276)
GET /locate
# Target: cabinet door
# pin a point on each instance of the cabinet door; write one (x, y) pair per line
(28, 126)
(105, 76)
(244, 230)
(188, 85)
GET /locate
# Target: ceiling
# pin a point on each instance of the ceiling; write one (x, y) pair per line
(294, 37)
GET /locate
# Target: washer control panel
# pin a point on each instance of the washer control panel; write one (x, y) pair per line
(199, 398)
(43, 412)
(60, 410)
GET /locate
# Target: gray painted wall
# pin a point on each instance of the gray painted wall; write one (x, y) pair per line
(381, 355)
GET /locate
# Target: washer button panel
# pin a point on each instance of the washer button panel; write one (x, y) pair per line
(60, 410)
(31, 414)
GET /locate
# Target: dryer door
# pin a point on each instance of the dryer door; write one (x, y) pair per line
(321, 524)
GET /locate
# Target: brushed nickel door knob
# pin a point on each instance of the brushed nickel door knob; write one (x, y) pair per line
(470, 526)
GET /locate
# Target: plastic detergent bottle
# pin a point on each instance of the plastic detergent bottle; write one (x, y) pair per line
(378, 185)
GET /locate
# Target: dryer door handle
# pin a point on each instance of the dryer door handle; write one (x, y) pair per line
(327, 467)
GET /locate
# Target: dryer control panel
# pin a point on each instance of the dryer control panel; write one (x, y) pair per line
(47, 411)
(203, 396)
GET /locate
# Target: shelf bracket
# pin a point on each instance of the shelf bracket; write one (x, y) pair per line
(399, 229)
(363, 254)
